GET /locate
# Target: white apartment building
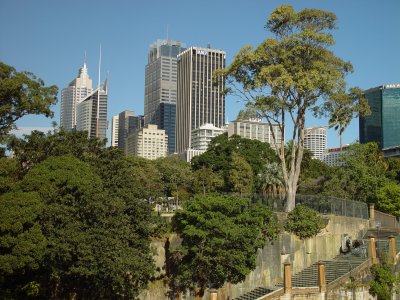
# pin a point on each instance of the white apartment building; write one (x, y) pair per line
(315, 141)
(201, 136)
(71, 96)
(114, 130)
(148, 142)
(255, 130)
(331, 157)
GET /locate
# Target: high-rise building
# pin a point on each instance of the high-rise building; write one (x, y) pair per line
(160, 87)
(92, 113)
(128, 122)
(256, 130)
(201, 136)
(148, 142)
(383, 124)
(315, 141)
(71, 96)
(332, 156)
(114, 130)
(199, 100)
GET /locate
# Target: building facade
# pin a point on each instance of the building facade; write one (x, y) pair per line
(148, 142)
(71, 96)
(383, 124)
(128, 122)
(92, 113)
(160, 87)
(201, 136)
(256, 130)
(114, 130)
(332, 156)
(315, 141)
(199, 101)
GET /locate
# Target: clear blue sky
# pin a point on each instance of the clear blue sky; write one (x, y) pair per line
(49, 38)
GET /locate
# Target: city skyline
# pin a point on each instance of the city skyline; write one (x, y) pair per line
(49, 41)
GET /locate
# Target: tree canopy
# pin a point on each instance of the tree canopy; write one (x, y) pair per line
(288, 75)
(22, 93)
(221, 235)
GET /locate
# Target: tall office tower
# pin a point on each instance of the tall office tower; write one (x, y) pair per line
(148, 142)
(160, 87)
(199, 101)
(128, 122)
(383, 124)
(92, 113)
(71, 96)
(315, 141)
(255, 130)
(114, 131)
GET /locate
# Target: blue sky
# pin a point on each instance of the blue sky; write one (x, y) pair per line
(49, 38)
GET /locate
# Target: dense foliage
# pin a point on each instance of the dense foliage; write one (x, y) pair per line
(384, 281)
(304, 222)
(22, 93)
(221, 235)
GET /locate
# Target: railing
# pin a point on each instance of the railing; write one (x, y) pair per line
(386, 220)
(334, 206)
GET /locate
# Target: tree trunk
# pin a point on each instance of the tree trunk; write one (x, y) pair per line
(290, 198)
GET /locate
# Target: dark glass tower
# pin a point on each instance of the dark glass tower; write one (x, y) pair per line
(160, 87)
(383, 125)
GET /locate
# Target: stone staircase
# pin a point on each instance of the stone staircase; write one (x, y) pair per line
(255, 294)
(335, 268)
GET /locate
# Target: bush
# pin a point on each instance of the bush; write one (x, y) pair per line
(304, 222)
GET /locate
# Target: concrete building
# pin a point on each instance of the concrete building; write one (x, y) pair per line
(92, 113)
(128, 122)
(160, 87)
(148, 142)
(199, 101)
(332, 155)
(202, 136)
(315, 141)
(255, 130)
(114, 131)
(71, 96)
(383, 124)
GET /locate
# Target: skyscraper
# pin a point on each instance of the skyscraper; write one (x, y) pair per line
(114, 131)
(71, 96)
(383, 124)
(128, 122)
(92, 113)
(315, 141)
(160, 87)
(199, 101)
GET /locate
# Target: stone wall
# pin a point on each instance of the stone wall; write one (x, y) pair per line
(270, 259)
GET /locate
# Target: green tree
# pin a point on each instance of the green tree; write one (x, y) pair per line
(22, 243)
(98, 242)
(206, 181)
(286, 76)
(342, 107)
(361, 175)
(22, 93)
(388, 199)
(218, 156)
(221, 236)
(9, 174)
(246, 115)
(38, 146)
(304, 222)
(240, 175)
(384, 281)
(271, 181)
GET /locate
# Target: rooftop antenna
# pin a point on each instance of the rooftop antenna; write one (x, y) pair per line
(167, 32)
(84, 58)
(98, 97)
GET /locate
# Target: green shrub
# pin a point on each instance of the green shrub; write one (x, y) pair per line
(304, 222)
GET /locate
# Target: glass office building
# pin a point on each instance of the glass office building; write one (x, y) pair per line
(383, 125)
(160, 87)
